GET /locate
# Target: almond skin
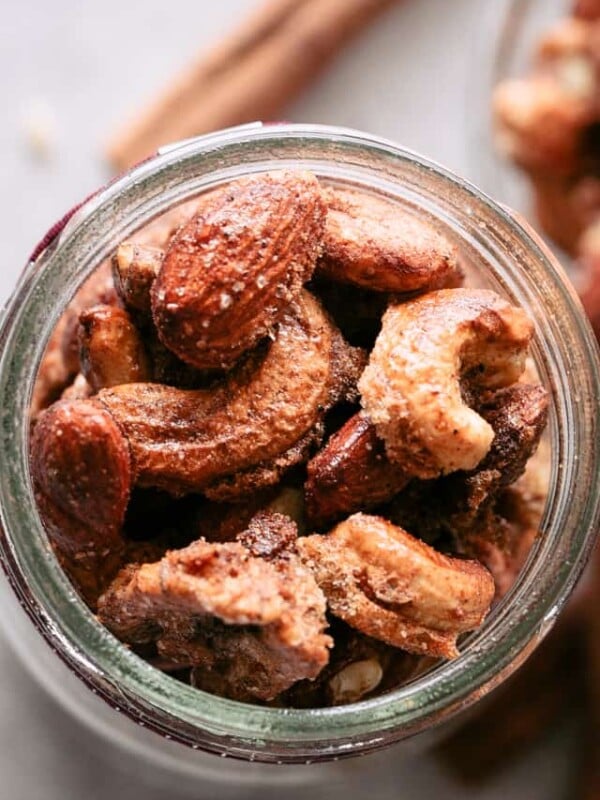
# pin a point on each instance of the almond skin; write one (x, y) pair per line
(229, 273)
(81, 470)
(376, 244)
(184, 440)
(389, 585)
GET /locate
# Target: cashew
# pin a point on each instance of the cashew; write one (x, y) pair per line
(356, 680)
(185, 440)
(79, 389)
(60, 362)
(111, 349)
(81, 469)
(412, 390)
(197, 604)
(539, 123)
(389, 585)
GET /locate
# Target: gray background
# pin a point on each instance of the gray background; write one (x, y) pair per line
(418, 76)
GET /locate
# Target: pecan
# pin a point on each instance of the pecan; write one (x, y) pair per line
(411, 390)
(389, 585)
(463, 504)
(111, 349)
(200, 518)
(518, 416)
(378, 244)
(269, 535)
(230, 273)
(251, 627)
(503, 532)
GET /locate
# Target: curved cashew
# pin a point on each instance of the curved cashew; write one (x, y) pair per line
(378, 244)
(389, 585)
(412, 390)
(183, 440)
(230, 272)
(197, 604)
(111, 349)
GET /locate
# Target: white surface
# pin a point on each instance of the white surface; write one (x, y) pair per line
(74, 70)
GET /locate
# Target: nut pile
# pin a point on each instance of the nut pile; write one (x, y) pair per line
(281, 451)
(548, 123)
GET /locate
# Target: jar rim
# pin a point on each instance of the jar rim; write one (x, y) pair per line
(567, 352)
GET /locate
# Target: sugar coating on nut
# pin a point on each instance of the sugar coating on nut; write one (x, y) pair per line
(539, 123)
(248, 625)
(231, 271)
(412, 388)
(391, 586)
(135, 268)
(351, 472)
(185, 440)
(81, 470)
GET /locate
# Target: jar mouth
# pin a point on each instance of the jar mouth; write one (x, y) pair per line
(566, 356)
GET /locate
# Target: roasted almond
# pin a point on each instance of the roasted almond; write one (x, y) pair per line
(229, 273)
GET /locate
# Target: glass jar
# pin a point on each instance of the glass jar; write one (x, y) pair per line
(178, 727)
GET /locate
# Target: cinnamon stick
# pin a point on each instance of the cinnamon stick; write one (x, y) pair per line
(251, 76)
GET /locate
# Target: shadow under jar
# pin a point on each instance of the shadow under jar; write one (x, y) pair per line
(170, 723)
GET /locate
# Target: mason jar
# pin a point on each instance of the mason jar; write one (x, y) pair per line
(200, 737)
